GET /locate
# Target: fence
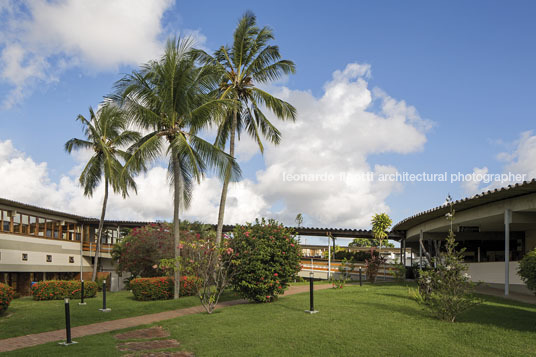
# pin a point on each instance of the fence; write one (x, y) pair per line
(321, 266)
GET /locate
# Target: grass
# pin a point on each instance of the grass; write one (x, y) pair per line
(26, 316)
(375, 320)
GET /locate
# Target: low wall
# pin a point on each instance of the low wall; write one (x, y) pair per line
(493, 272)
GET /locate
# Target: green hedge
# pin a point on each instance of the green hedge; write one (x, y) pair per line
(59, 289)
(527, 270)
(161, 288)
(6, 295)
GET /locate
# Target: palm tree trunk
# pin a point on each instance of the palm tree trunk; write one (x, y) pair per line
(101, 226)
(176, 222)
(221, 212)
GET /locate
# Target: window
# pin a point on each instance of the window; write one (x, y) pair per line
(16, 223)
(41, 225)
(25, 257)
(71, 259)
(25, 222)
(33, 225)
(5, 221)
(48, 227)
(49, 258)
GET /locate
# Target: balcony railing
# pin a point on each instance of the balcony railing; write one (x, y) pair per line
(105, 248)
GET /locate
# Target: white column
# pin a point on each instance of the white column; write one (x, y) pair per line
(329, 258)
(507, 221)
(420, 249)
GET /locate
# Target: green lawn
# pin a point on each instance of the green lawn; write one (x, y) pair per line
(26, 316)
(357, 321)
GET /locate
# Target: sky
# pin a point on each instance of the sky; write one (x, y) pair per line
(413, 87)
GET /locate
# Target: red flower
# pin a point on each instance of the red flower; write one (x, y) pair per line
(275, 274)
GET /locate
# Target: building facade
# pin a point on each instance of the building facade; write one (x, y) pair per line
(40, 244)
(496, 228)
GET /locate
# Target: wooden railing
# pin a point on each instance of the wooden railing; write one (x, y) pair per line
(105, 248)
(318, 265)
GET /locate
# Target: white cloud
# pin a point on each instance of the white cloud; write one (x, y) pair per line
(474, 184)
(519, 164)
(333, 135)
(523, 158)
(40, 39)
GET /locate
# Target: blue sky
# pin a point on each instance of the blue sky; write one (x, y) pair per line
(460, 73)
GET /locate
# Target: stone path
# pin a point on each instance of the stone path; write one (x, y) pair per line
(14, 343)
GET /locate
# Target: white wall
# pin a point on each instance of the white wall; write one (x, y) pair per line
(493, 272)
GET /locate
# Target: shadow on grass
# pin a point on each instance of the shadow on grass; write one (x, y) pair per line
(506, 317)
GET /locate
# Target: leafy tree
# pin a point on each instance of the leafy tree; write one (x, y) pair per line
(106, 134)
(250, 61)
(367, 243)
(172, 99)
(380, 224)
(446, 290)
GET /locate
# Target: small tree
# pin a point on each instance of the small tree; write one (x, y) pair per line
(527, 270)
(380, 224)
(373, 266)
(446, 290)
(211, 264)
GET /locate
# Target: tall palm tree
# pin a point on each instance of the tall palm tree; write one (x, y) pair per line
(171, 98)
(106, 135)
(250, 61)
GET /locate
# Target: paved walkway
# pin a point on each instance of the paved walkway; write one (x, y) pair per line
(526, 298)
(14, 343)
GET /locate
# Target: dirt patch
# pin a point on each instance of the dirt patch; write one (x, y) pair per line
(153, 332)
(147, 345)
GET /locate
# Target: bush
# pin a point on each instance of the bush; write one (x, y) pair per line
(60, 289)
(161, 288)
(357, 256)
(6, 295)
(267, 259)
(527, 270)
(373, 266)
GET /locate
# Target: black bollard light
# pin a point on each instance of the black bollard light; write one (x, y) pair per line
(311, 295)
(360, 277)
(68, 341)
(82, 293)
(104, 309)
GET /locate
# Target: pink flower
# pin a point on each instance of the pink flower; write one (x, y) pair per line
(181, 246)
(247, 234)
(155, 266)
(229, 251)
(292, 244)
(275, 274)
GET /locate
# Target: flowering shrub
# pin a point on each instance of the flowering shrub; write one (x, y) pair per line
(59, 289)
(212, 265)
(527, 270)
(267, 259)
(143, 248)
(161, 288)
(373, 266)
(6, 295)
(446, 290)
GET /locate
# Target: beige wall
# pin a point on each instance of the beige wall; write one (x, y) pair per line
(493, 272)
(13, 246)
